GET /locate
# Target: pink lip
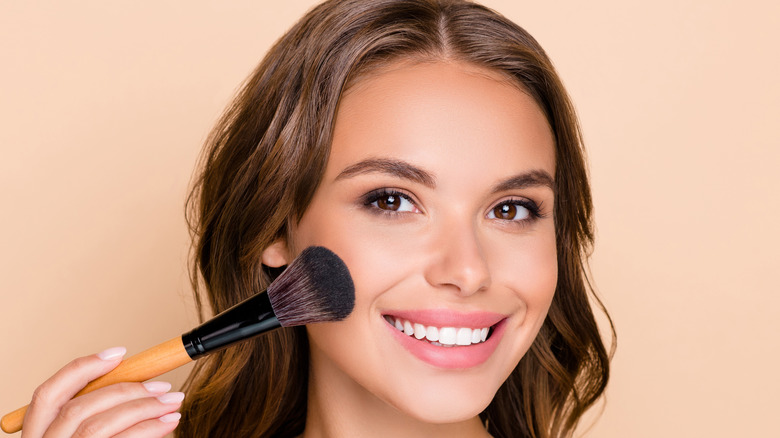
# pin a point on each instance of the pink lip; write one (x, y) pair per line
(448, 318)
(456, 357)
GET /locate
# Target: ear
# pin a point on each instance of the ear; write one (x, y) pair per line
(276, 255)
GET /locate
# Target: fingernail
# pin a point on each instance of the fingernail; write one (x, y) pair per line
(170, 418)
(157, 387)
(171, 397)
(112, 353)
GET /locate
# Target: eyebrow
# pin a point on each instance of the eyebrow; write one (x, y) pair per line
(533, 178)
(397, 168)
(402, 169)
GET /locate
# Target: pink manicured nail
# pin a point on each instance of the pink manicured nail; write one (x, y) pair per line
(170, 418)
(171, 397)
(157, 387)
(112, 353)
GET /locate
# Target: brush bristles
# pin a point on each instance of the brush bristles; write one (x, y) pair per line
(315, 287)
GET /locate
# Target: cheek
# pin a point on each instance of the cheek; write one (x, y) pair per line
(539, 268)
(376, 255)
(375, 261)
(529, 267)
(333, 349)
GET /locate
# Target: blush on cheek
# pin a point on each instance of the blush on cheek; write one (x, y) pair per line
(376, 263)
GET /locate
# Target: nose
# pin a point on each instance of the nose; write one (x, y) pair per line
(458, 261)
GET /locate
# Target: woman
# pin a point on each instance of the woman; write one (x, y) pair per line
(432, 146)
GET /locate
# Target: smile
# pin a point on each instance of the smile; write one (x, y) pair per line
(447, 339)
(440, 336)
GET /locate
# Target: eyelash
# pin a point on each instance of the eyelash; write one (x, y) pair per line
(369, 199)
(534, 209)
(376, 195)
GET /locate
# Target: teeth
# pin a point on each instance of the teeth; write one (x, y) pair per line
(447, 335)
(432, 334)
(419, 331)
(441, 336)
(408, 329)
(464, 336)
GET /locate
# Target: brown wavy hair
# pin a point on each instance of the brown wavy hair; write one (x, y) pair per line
(264, 160)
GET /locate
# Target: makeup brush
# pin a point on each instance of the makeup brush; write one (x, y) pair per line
(315, 287)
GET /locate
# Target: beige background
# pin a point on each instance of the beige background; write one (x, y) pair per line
(104, 106)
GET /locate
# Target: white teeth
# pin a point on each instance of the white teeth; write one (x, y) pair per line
(475, 336)
(419, 331)
(464, 336)
(447, 335)
(408, 329)
(432, 334)
(444, 336)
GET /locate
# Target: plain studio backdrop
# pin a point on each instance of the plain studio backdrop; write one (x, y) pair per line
(105, 106)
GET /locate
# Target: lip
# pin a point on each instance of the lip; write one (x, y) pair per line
(455, 357)
(448, 318)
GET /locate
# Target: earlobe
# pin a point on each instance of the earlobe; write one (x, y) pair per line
(276, 255)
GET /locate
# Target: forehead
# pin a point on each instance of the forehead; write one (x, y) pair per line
(441, 112)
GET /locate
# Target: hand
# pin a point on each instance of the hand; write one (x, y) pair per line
(121, 410)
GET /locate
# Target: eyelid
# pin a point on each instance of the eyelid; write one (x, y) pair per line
(534, 208)
(374, 195)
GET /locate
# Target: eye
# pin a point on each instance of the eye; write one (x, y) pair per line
(390, 201)
(515, 210)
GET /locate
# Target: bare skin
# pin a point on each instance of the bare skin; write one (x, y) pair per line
(427, 196)
(123, 410)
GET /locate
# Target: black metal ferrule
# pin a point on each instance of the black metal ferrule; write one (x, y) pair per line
(244, 320)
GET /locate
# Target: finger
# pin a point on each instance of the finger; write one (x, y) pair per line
(158, 427)
(76, 411)
(127, 415)
(49, 398)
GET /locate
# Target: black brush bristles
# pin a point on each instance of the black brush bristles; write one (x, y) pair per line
(315, 287)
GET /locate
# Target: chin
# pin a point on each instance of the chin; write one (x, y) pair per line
(446, 412)
(449, 400)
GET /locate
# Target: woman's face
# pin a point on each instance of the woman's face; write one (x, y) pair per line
(438, 196)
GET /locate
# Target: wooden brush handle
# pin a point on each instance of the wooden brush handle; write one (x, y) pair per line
(143, 366)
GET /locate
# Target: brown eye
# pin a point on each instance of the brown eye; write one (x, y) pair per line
(510, 211)
(389, 202)
(505, 211)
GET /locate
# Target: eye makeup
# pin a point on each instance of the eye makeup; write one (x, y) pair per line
(389, 201)
(393, 202)
(517, 210)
